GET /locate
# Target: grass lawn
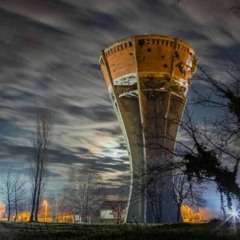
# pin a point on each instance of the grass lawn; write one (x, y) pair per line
(182, 231)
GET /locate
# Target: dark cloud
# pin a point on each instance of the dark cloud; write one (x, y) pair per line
(108, 131)
(101, 20)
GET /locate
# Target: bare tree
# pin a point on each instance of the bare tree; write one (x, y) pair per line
(19, 194)
(215, 149)
(63, 205)
(12, 192)
(118, 205)
(234, 5)
(185, 191)
(39, 161)
(83, 191)
(7, 192)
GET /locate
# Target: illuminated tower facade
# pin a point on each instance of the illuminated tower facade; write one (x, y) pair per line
(147, 77)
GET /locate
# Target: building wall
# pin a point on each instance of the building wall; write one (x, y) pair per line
(106, 214)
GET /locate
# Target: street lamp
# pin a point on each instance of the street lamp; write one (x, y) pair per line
(46, 205)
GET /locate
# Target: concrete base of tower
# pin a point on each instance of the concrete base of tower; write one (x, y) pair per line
(137, 207)
(135, 213)
(166, 212)
(155, 205)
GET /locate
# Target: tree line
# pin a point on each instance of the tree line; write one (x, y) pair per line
(79, 194)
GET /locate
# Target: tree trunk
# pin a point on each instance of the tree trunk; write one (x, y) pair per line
(179, 218)
(9, 207)
(39, 161)
(31, 219)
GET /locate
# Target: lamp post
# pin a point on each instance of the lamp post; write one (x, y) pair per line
(45, 214)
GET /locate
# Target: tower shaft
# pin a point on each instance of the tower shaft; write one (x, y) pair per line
(147, 77)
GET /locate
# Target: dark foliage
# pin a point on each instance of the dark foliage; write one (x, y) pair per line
(204, 164)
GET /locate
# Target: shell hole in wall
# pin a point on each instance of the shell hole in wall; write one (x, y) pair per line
(141, 42)
(149, 49)
(165, 65)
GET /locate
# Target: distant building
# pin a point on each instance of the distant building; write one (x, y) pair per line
(113, 211)
(148, 77)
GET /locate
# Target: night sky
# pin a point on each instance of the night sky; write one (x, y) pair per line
(49, 52)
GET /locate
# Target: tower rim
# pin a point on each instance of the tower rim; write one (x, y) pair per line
(146, 36)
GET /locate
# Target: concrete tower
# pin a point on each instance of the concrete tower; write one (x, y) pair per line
(147, 77)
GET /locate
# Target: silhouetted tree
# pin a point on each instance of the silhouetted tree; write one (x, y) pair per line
(186, 192)
(12, 192)
(82, 191)
(39, 160)
(63, 204)
(234, 5)
(215, 150)
(118, 205)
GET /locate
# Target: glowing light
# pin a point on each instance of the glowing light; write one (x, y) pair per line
(45, 214)
(234, 216)
(235, 213)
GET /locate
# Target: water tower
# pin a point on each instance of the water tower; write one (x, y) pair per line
(147, 77)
